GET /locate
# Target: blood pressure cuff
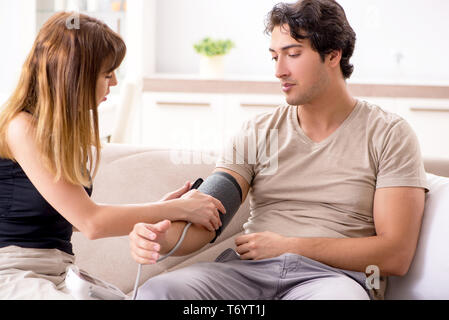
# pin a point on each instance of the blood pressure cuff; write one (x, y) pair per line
(224, 187)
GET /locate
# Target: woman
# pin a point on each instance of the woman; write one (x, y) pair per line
(48, 129)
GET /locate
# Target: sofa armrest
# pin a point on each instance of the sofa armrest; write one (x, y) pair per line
(439, 167)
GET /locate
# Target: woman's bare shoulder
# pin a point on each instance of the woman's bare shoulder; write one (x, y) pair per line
(20, 125)
(19, 130)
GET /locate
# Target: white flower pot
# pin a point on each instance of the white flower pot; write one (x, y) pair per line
(212, 67)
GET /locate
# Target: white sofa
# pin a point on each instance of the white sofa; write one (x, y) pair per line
(132, 174)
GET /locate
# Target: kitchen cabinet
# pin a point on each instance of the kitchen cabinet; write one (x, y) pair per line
(197, 121)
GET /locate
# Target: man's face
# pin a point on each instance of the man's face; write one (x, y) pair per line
(300, 69)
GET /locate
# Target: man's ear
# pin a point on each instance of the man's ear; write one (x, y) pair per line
(334, 58)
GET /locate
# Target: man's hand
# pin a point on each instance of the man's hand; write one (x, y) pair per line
(258, 246)
(144, 240)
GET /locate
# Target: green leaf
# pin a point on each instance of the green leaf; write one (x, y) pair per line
(213, 47)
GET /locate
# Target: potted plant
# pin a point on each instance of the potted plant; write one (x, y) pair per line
(212, 52)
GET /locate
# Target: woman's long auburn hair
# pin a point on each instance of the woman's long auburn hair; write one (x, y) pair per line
(57, 87)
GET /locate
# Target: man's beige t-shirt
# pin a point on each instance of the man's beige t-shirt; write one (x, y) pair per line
(300, 188)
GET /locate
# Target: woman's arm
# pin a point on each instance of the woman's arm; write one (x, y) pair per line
(95, 220)
(147, 240)
(169, 196)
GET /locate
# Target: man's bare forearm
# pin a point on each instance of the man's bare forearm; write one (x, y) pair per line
(353, 254)
(196, 238)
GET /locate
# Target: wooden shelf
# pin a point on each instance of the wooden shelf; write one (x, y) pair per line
(195, 84)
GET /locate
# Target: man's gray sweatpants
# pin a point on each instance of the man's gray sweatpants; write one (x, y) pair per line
(287, 277)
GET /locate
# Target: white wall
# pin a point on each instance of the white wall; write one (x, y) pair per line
(140, 38)
(414, 29)
(17, 31)
(182, 23)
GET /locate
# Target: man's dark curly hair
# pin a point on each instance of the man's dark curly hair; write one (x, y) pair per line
(324, 22)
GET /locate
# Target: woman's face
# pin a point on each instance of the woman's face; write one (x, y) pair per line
(104, 82)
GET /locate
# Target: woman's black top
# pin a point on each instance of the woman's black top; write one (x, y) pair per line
(27, 220)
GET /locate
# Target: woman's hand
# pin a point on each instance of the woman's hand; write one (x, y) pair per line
(202, 209)
(196, 207)
(143, 241)
(177, 193)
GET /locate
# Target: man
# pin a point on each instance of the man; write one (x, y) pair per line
(347, 197)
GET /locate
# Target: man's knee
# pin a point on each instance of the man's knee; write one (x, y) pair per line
(340, 288)
(150, 290)
(162, 287)
(330, 288)
(182, 284)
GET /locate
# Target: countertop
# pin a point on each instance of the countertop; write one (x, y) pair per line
(269, 85)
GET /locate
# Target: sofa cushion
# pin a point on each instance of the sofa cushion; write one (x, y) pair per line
(428, 276)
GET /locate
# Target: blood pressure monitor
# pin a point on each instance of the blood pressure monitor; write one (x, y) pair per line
(83, 286)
